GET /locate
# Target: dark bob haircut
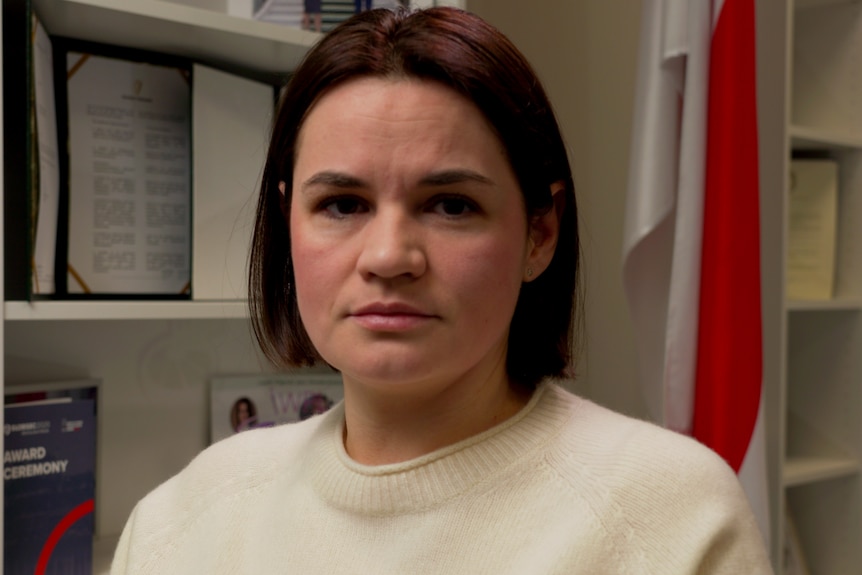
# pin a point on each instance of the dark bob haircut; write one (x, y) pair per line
(461, 51)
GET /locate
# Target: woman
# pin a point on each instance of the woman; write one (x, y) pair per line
(243, 415)
(417, 231)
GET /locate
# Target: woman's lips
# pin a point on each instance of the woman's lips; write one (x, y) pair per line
(390, 317)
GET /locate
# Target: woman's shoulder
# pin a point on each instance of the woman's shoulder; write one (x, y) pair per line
(658, 486)
(621, 461)
(219, 485)
(241, 462)
(630, 445)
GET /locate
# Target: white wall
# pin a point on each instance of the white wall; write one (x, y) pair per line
(241, 8)
(585, 52)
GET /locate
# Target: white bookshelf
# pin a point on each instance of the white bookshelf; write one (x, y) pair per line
(810, 105)
(154, 357)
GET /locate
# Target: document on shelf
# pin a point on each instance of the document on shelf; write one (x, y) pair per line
(45, 193)
(129, 176)
(813, 209)
(226, 108)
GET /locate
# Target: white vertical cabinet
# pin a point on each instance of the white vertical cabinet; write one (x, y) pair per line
(810, 105)
(154, 357)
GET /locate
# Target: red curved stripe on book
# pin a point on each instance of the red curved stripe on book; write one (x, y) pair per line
(71, 517)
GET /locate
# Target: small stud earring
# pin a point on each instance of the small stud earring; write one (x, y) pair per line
(529, 272)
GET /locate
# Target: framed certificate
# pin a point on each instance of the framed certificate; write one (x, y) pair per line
(128, 172)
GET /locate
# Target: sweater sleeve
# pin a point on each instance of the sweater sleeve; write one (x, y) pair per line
(733, 543)
(700, 518)
(676, 504)
(119, 564)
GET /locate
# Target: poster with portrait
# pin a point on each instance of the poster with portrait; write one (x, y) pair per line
(242, 402)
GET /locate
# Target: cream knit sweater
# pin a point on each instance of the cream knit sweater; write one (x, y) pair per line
(565, 486)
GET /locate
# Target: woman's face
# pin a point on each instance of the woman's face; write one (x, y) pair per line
(409, 236)
(242, 411)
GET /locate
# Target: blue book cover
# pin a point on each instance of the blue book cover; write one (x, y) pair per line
(49, 464)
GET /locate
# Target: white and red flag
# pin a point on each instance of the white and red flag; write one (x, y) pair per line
(691, 266)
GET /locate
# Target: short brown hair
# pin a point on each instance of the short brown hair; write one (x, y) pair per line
(463, 52)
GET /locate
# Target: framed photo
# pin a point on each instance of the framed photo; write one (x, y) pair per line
(241, 402)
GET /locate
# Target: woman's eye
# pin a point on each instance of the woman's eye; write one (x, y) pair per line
(454, 206)
(343, 206)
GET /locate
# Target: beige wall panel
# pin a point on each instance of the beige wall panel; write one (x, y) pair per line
(585, 52)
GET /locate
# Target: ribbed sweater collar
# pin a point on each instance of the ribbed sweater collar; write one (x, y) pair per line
(432, 479)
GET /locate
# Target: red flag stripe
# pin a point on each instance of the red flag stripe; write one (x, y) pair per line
(729, 358)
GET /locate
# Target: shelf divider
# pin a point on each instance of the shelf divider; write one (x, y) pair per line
(803, 470)
(836, 304)
(123, 310)
(802, 4)
(805, 138)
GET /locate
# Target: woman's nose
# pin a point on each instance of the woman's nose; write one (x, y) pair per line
(392, 246)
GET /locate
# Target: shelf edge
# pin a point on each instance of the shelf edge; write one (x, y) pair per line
(807, 4)
(803, 137)
(804, 470)
(839, 304)
(203, 35)
(123, 310)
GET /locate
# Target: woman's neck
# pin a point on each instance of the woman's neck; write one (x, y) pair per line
(383, 427)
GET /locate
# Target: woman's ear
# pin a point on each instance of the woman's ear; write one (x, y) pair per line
(543, 234)
(285, 208)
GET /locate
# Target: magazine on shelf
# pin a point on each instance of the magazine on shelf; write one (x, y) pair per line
(49, 472)
(242, 402)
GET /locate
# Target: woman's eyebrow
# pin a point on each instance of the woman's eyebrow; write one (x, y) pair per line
(333, 179)
(439, 178)
(458, 176)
